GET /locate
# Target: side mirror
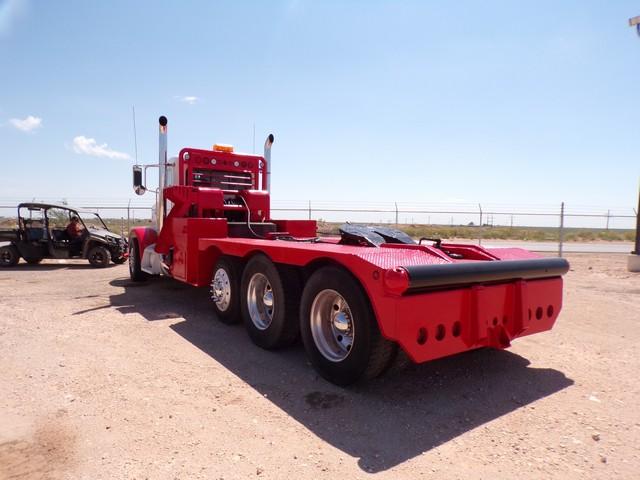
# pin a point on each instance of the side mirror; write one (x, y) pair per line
(138, 187)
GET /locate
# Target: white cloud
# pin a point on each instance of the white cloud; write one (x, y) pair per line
(191, 100)
(10, 10)
(89, 146)
(28, 124)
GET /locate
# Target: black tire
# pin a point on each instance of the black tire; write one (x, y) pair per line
(99, 256)
(119, 260)
(226, 273)
(9, 256)
(348, 348)
(135, 269)
(280, 327)
(32, 260)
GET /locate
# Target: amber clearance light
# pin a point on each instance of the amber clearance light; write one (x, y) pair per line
(221, 147)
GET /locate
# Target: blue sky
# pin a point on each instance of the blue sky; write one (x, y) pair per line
(526, 103)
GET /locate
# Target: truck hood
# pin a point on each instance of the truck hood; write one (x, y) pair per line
(102, 233)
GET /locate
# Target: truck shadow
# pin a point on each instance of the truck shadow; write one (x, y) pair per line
(410, 410)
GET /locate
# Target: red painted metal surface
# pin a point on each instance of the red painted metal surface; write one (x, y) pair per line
(208, 160)
(146, 236)
(426, 325)
(437, 324)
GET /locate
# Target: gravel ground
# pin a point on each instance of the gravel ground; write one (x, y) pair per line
(101, 378)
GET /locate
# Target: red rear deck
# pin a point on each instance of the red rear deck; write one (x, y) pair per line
(426, 324)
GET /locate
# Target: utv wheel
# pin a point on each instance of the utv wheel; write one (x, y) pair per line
(339, 329)
(135, 269)
(269, 303)
(119, 260)
(32, 260)
(225, 289)
(99, 256)
(9, 256)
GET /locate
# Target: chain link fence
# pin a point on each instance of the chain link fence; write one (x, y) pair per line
(559, 222)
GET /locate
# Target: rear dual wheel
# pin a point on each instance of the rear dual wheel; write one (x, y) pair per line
(224, 289)
(264, 296)
(334, 317)
(270, 297)
(339, 329)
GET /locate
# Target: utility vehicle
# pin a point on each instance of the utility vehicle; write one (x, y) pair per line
(42, 233)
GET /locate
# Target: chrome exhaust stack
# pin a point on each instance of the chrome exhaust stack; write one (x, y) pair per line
(162, 171)
(267, 158)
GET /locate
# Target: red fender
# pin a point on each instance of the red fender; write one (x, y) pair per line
(145, 235)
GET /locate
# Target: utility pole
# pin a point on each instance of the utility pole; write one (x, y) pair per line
(633, 263)
(561, 230)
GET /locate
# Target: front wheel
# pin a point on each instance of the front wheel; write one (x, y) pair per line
(99, 256)
(339, 329)
(119, 260)
(9, 256)
(225, 289)
(135, 268)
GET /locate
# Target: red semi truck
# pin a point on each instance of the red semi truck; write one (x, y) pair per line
(354, 298)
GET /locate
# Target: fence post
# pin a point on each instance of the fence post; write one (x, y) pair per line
(480, 226)
(396, 204)
(608, 217)
(636, 249)
(129, 216)
(309, 209)
(561, 232)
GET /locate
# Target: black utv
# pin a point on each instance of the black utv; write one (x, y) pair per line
(58, 231)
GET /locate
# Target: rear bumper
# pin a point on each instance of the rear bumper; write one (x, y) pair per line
(423, 277)
(439, 323)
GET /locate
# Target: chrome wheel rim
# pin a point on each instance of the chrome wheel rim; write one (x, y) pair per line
(332, 325)
(260, 301)
(221, 289)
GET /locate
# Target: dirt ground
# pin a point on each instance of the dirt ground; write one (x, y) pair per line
(101, 378)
